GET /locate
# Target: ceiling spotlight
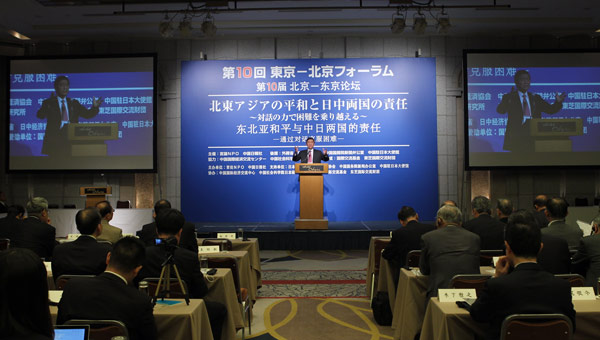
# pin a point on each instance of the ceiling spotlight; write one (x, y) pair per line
(419, 23)
(185, 26)
(443, 22)
(165, 28)
(208, 26)
(398, 23)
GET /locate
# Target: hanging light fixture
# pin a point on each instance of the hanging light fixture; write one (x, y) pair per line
(398, 22)
(165, 28)
(185, 26)
(443, 22)
(419, 23)
(208, 25)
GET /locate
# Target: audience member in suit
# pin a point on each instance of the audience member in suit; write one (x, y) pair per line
(109, 233)
(554, 256)
(11, 225)
(504, 208)
(527, 289)
(169, 225)
(85, 255)
(448, 251)
(110, 295)
(556, 212)
(589, 252)
(310, 155)
(24, 311)
(407, 237)
(148, 234)
(490, 230)
(3, 205)
(539, 210)
(37, 234)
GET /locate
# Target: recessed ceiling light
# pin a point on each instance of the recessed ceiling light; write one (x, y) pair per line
(18, 35)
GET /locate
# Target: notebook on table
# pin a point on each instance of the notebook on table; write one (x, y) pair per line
(71, 332)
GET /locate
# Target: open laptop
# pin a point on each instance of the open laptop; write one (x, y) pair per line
(71, 332)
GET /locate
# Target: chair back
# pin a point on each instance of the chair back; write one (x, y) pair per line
(486, 257)
(412, 258)
(4, 243)
(378, 245)
(223, 243)
(124, 204)
(103, 329)
(231, 263)
(536, 326)
(174, 292)
(469, 281)
(575, 280)
(70, 206)
(62, 280)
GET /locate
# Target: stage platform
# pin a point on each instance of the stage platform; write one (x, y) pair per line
(283, 236)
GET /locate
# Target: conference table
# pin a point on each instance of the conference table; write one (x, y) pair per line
(251, 246)
(178, 321)
(222, 289)
(371, 261)
(445, 321)
(246, 275)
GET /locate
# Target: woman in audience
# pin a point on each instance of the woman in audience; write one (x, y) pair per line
(24, 311)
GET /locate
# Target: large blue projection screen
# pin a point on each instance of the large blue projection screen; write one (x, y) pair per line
(241, 119)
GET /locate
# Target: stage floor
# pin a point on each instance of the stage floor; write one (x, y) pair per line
(289, 226)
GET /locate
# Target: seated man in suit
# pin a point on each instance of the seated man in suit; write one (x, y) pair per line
(527, 289)
(556, 212)
(169, 224)
(310, 155)
(109, 233)
(588, 253)
(11, 225)
(37, 234)
(110, 295)
(448, 251)
(85, 255)
(148, 233)
(539, 210)
(504, 208)
(490, 230)
(554, 256)
(406, 238)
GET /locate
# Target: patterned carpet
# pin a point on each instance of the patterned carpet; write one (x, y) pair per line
(313, 283)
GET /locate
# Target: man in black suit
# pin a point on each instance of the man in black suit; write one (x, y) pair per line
(11, 225)
(169, 225)
(557, 210)
(490, 230)
(59, 111)
(406, 238)
(588, 253)
(310, 155)
(521, 107)
(85, 255)
(554, 256)
(448, 251)
(37, 234)
(148, 234)
(527, 289)
(504, 208)
(539, 210)
(110, 295)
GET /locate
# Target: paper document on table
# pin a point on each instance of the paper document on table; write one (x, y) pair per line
(54, 296)
(416, 271)
(585, 227)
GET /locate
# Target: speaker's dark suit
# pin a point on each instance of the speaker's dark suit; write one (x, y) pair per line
(188, 236)
(107, 297)
(84, 256)
(517, 136)
(490, 231)
(188, 266)
(555, 257)
(527, 289)
(56, 138)
(38, 237)
(571, 233)
(446, 252)
(10, 228)
(318, 156)
(405, 239)
(589, 250)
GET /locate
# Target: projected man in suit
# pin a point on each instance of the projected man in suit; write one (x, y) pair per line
(310, 155)
(521, 106)
(59, 111)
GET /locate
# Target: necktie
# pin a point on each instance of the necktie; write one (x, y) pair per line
(63, 110)
(310, 156)
(526, 111)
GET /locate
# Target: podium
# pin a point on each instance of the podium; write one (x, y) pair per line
(552, 135)
(311, 196)
(87, 139)
(94, 195)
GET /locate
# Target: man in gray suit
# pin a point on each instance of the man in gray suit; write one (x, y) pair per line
(589, 252)
(556, 212)
(448, 251)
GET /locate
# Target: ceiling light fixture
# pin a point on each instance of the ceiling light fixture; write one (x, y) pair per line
(18, 35)
(419, 23)
(165, 28)
(185, 26)
(208, 26)
(443, 22)
(398, 22)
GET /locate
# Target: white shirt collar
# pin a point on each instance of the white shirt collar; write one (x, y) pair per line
(117, 275)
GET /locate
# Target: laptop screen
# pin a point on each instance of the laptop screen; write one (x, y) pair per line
(71, 332)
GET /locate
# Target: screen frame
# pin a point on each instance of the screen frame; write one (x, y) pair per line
(467, 165)
(154, 168)
(86, 328)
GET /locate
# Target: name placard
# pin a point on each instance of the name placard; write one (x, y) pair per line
(229, 236)
(73, 237)
(208, 249)
(453, 295)
(583, 293)
(495, 260)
